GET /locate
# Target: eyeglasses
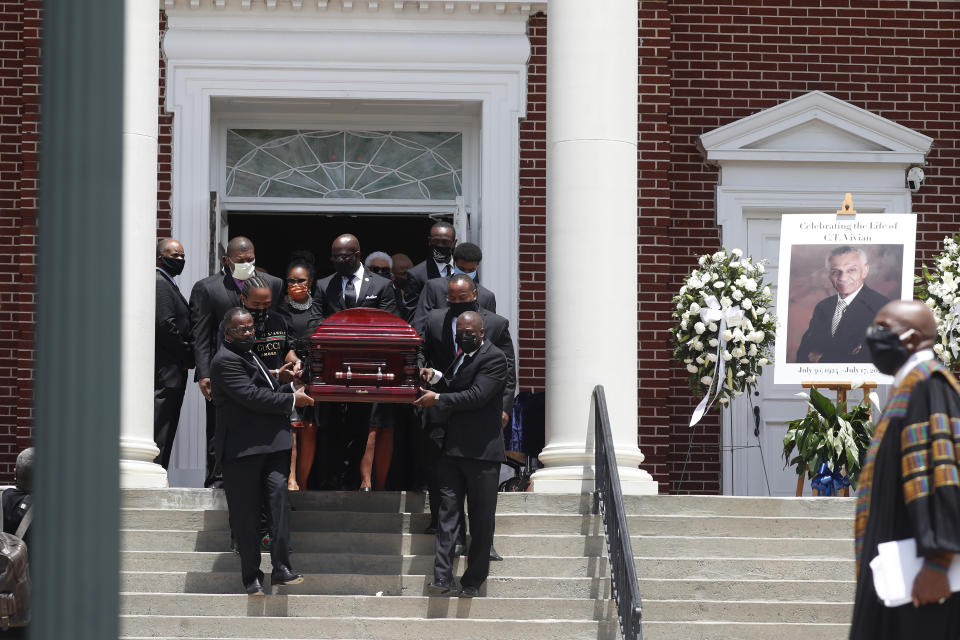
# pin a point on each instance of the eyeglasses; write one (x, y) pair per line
(383, 271)
(343, 258)
(242, 330)
(296, 280)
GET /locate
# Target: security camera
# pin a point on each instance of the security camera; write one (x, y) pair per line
(914, 178)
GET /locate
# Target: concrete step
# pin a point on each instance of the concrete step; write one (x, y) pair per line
(642, 525)
(363, 627)
(525, 503)
(743, 590)
(178, 604)
(747, 611)
(228, 582)
(720, 630)
(393, 545)
(364, 564)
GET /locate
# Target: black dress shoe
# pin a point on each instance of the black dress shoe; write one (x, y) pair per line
(364, 489)
(468, 592)
(494, 556)
(435, 589)
(255, 586)
(459, 550)
(283, 575)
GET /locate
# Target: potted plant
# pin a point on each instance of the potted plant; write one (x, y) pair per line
(828, 440)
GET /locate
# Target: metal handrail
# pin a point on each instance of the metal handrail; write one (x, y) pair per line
(608, 502)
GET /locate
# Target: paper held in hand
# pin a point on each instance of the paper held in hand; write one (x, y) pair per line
(896, 567)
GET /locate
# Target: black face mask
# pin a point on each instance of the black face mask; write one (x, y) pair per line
(345, 269)
(173, 266)
(441, 254)
(459, 307)
(242, 345)
(468, 343)
(887, 351)
(259, 316)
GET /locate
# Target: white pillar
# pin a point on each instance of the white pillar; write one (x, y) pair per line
(591, 240)
(141, 76)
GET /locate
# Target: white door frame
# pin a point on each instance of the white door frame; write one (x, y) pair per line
(464, 57)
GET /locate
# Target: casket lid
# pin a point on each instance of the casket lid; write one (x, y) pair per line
(362, 324)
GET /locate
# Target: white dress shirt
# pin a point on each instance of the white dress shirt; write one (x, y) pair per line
(442, 267)
(357, 281)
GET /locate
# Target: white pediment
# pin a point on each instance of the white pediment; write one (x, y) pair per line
(815, 127)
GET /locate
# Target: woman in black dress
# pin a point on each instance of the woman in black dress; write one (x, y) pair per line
(298, 310)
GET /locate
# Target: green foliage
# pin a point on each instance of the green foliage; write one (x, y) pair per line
(830, 434)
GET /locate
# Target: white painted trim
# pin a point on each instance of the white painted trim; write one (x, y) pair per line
(475, 59)
(728, 142)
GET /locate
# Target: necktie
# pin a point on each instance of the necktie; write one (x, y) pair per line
(449, 272)
(349, 294)
(837, 315)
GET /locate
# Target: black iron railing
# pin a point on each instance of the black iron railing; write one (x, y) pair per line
(608, 502)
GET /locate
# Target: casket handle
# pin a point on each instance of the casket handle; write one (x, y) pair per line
(379, 376)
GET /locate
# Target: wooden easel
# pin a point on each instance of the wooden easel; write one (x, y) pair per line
(841, 388)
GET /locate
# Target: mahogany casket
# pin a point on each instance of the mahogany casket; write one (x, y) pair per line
(364, 355)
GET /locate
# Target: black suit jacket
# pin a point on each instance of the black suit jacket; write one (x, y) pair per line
(253, 410)
(434, 296)
(375, 292)
(470, 399)
(438, 350)
(209, 300)
(417, 277)
(173, 353)
(847, 345)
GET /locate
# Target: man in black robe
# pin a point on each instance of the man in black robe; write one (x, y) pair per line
(910, 484)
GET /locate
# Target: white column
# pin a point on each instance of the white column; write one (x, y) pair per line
(141, 75)
(591, 240)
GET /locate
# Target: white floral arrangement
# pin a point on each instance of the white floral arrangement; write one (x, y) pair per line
(725, 327)
(938, 287)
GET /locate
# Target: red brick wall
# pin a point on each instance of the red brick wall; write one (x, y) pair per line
(730, 59)
(531, 332)
(165, 149)
(20, 33)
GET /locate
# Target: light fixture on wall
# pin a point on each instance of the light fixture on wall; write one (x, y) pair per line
(914, 178)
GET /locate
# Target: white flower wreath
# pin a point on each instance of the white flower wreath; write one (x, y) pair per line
(725, 327)
(939, 289)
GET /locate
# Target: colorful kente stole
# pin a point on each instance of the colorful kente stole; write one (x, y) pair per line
(896, 408)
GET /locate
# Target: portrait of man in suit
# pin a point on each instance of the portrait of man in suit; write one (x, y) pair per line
(836, 328)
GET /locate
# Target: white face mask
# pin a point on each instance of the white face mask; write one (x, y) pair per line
(243, 270)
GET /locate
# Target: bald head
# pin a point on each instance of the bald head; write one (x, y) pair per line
(470, 320)
(345, 242)
(903, 315)
(345, 254)
(239, 244)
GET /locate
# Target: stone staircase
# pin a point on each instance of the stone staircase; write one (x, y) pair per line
(709, 567)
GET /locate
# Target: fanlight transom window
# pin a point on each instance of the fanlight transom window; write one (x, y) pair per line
(402, 165)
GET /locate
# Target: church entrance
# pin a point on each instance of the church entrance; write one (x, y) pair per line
(276, 235)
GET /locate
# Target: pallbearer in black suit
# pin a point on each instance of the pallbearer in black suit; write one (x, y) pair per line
(209, 300)
(470, 396)
(400, 267)
(440, 241)
(253, 444)
(173, 351)
(351, 286)
(466, 260)
(838, 327)
(439, 351)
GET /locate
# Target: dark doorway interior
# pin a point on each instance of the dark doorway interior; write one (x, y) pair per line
(276, 235)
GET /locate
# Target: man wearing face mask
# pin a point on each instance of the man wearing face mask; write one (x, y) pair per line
(466, 260)
(209, 300)
(469, 394)
(253, 444)
(439, 263)
(173, 349)
(439, 351)
(910, 481)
